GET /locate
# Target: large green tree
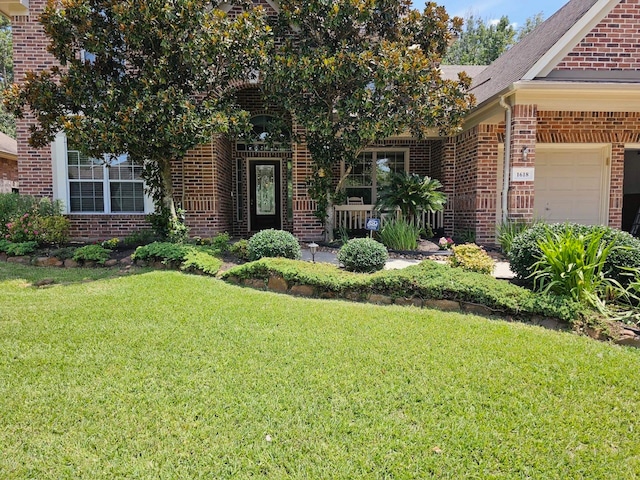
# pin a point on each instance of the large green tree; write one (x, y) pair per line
(145, 77)
(357, 71)
(482, 41)
(7, 120)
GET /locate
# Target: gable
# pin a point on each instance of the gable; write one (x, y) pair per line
(612, 45)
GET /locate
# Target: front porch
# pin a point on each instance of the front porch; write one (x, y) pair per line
(354, 217)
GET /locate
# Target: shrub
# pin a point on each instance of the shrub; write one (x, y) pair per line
(273, 243)
(141, 237)
(509, 230)
(13, 205)
(398, 234)
(471, 257)
(221, 242)
(54, 229)
(201, 261)
(572, 264)
(363, 255)
(21, 248)
(4, 244)
(111, 244)
(23, 229)
(92, 253)
(166, 252)
(525, 250)
(240, 249)
(64, 253)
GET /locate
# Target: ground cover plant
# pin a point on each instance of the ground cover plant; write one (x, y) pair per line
(428, 280)
(197, 378)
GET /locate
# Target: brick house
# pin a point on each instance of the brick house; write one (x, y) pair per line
(569, 94)
(8, 164)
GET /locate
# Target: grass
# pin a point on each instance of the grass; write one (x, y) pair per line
(167, 375)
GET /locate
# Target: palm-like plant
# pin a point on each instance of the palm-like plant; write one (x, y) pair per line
(412, 194)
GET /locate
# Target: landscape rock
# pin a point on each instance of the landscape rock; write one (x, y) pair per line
(111, 263)
(126, 260)
(413, 301)
(444, 305)
(277, 284)
(3, 257)
(70, 263)
(380, 299)
(45, 282)
(47, 262)
(476, 308)
(23, 260)
(254, 283)
(303, 290)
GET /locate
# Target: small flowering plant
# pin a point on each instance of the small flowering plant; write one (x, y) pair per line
(23, 229)
(445, 243)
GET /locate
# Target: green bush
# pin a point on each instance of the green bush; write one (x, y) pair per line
(363, 255)
(92, 253)
(398, 234)
(54, 230)
(240, 249)
(273, 243)
(509, 230)
(525, 250)
(23, 229)
(471, 257)
(4, 243)
(221, 242)
(13, 205)
(572, 264)
(64, 253)
(21, 248)
(141, 237)
(198, 260)
(165, 252)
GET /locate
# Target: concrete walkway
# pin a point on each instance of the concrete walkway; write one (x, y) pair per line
(502, 269)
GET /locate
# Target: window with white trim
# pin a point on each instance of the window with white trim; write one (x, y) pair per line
(108, 185)
(373, 170)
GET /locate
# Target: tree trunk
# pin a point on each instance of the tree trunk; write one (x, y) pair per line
(167, 190)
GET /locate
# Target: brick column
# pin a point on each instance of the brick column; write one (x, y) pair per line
(306, 226)
(616, 188)
(35, 171)
(523, 135)
(446, 176)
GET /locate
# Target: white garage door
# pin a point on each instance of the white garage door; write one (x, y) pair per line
(569, 185)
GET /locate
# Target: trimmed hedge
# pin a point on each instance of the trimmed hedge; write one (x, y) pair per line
(363, 255)
(525, 251)
(273, 243)
(428, 280)
(190, 258)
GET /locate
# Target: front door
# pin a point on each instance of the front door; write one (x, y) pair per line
(264, 194)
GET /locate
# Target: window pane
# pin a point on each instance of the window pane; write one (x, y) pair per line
(127, 197)
(122, 168)
(387, 164)
(86, 197)
(360, 175)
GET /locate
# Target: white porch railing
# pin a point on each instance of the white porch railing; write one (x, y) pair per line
(354, 217)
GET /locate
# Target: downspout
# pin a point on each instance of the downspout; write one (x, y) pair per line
(507, 160)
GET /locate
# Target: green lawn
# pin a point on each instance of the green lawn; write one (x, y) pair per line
(167, 375)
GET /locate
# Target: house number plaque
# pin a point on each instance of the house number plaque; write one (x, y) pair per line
(522, 174)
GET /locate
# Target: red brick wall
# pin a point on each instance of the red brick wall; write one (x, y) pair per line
(102, 227)
(614, 44)
(8, 175)
(30, 53)
(472, 205)
(615, 128)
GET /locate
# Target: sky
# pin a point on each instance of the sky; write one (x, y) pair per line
(517, 10)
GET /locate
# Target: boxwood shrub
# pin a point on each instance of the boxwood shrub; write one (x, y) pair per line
(273, 243)
(363, 255)
(525, 250)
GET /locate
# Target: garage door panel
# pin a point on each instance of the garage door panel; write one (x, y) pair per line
(568, 186)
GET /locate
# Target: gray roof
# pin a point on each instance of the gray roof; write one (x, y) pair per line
(8, 145)
(518, 60)
(450, 72)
